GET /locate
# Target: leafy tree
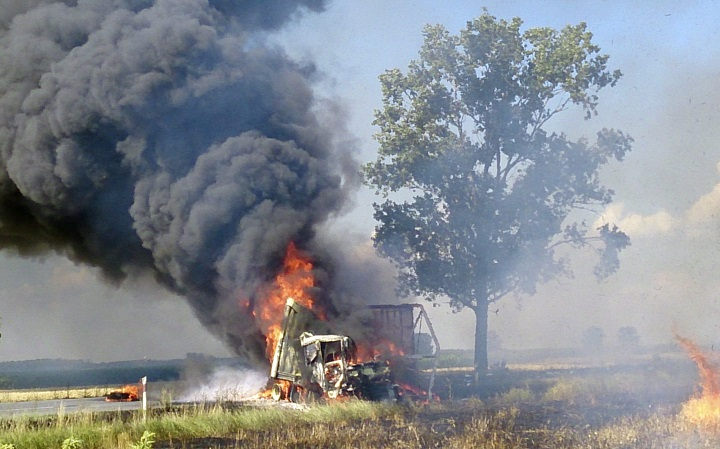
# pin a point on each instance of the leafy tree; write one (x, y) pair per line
(476, 190)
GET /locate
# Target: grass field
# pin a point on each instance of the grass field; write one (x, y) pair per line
(638, 406)
(46, 394)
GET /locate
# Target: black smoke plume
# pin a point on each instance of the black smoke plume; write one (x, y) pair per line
(164, 136)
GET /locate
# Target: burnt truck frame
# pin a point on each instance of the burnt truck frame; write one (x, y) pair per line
(309, 363)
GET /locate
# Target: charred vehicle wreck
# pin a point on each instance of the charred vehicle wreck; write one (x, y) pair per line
(309, 364)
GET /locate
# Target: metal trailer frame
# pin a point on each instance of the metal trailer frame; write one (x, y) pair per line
(403, 323)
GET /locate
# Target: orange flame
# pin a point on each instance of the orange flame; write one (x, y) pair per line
(284, 385)
(417, 392)
(126, 393)
(294, 281)
(708, 372)
(381, 349)
(703, 411)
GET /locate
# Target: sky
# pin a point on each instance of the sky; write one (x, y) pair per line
(667, 190)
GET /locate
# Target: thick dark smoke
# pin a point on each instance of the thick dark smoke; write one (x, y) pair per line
(164, 136)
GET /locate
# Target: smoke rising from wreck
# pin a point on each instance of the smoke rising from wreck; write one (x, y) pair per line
(164, 136)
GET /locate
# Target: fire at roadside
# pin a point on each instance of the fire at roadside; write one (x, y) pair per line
(703, 411)
(309, 361)
(126, 393)
(307, 366)
(374, 354)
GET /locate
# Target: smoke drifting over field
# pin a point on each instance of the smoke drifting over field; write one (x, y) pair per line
(226, 384)
(165, 136)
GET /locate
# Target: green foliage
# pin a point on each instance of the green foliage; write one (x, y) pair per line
(146, 441)
(452, 358)
(574, 391)
(516, 396)
(477, 191)
(72, 443)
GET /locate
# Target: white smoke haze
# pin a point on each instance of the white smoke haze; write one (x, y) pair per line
(225, 384)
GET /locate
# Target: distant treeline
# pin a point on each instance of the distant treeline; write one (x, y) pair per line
(54, 373)
(73, 373)
(453, 358)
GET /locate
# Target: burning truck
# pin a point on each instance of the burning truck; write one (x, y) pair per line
(309, 363)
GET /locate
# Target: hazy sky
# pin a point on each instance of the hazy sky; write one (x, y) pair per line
(667, 189)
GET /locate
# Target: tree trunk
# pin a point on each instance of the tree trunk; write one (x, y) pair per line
(481, 332)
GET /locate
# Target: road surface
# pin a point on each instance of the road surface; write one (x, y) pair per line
(57, 406)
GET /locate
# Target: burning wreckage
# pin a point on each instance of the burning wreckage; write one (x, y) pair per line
(126, 393)
(309, 363)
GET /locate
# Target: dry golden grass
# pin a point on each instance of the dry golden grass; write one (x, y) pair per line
(364, 425)
(50, 394)
(631, 409)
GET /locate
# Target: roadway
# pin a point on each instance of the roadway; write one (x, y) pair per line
(61, 406)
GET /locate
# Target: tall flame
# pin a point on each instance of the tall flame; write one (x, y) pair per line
(294, 281)
(709, 374)
(703, 411)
